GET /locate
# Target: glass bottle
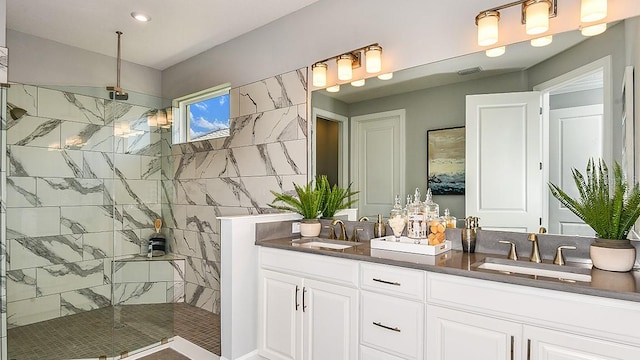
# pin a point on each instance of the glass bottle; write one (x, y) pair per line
(415, 217)
(397, 219)
(449, 220)
(432, 210)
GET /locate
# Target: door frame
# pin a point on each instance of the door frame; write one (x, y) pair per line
(343, 144)
(548, 86)
(355, 122)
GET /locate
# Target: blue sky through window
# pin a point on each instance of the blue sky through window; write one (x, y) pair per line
(209, 116)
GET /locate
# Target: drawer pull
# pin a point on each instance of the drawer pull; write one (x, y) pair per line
(387, 282)
(386, 327)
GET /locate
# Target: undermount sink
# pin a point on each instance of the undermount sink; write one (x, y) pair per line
(316, 242)
(564, 273)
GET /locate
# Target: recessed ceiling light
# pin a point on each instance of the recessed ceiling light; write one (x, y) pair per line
(140, 16)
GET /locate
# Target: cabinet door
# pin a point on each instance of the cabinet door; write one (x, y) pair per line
(544, 344)
(280, 316)
(456, 335)
(330, 321)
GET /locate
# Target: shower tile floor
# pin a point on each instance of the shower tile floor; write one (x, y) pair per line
(112, 330)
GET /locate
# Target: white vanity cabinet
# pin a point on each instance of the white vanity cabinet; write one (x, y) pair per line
(301, 316)
(391, 312)
(470, 318)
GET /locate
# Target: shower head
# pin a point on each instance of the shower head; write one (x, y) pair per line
(15, 112)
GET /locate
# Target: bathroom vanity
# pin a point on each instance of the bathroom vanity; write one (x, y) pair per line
(316, 302)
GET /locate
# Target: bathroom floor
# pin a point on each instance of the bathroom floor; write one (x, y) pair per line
(113, 330)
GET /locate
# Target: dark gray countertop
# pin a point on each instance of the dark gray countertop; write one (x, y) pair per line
(623, 286)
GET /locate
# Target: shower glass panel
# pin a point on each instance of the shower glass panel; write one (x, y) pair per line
(84, 184)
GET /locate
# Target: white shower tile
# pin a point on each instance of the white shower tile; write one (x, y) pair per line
(30, 161)
(202, 219)
(33, 222)
(25, 97)
(199, 296)
(160, 271)
(97, 165)
(21, 192)
(128, 192)
(175, 292)
(29, 311)
(70, 276)
(131, 271)
(128, 165)
(74, 302)
(140, 293)
(67, 106)
(86, 219)
(150, 167)
(43, 251)
(295, 84)
(35, 132)
(79, 136)
(97, 245)
(21, 284)
(288, 157)
(70, 191)
(234, 102)
(129, 242)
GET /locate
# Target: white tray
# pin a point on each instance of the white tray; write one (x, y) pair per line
(408, 245)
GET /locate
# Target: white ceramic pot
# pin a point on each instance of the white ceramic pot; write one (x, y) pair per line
(310, 228)
(612, 255)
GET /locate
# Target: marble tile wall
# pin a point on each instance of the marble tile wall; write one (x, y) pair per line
(83, 186)
(266, 150)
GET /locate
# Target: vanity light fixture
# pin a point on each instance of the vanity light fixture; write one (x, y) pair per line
(142, 17)
(334, 88)
(542, 41)
(593, 30)
(346, 62)
(387, 76)
(593, 10)
(319, 71)
(358, 83)
(535, 16)
(495, 52)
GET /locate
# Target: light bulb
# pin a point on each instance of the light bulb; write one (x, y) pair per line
(345, 71)
(334, 88)
(387, 76)
(542, 41)
(593, 10)
(373, 58)
(495, 52)
(319, 71)
(594, 30)
(487, 27)
(358, 83)
(536, 16)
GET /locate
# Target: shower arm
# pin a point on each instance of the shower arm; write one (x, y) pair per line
(117, 89)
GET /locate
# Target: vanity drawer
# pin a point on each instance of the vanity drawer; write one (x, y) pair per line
(392, 325)
(392, 280)
(367, 353)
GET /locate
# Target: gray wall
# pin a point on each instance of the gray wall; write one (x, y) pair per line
(37, 61)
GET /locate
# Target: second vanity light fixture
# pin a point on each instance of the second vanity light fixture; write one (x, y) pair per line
(347, 62)
(535, 16)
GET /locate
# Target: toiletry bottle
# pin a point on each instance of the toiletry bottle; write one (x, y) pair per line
(415, 216)
(469, 234)
(379, 229)
(449, 220)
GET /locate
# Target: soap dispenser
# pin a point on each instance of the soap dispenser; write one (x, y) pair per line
(469, 234)
(379, 229)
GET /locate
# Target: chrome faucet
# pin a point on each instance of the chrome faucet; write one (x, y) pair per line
(343, 231)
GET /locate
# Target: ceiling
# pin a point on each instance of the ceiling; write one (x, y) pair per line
(177, 31)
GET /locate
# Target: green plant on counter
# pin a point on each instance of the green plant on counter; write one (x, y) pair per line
(611, 212)
(308, 201)
(335, 197)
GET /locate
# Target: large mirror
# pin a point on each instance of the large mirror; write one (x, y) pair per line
(375, 136)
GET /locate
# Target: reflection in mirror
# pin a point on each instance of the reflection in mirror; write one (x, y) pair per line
(433, 96)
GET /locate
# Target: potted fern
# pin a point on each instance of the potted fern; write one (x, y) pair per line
(308, 201)
(610, 211)
(335, 198)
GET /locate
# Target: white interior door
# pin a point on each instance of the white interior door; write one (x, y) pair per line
(378, 160)
(503, 161)
(566, 152)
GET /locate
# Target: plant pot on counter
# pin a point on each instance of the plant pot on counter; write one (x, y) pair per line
(612, 255)
(310, 227)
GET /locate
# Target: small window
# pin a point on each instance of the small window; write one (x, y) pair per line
(203, 115)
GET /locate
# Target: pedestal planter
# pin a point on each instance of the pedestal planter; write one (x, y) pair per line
(612, 255)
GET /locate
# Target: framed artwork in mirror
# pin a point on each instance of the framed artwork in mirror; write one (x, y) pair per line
(445, 160)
